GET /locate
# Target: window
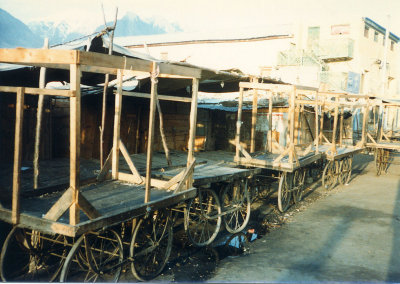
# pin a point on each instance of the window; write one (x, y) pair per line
(392, 45)
(340, 30)
(366, 31)
(376, 36)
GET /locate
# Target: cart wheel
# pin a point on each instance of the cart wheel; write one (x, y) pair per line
(236, 201)
(151, 245)
(330, 174)
(95, 256)
(284, 192)
(298, 184)
(203, 218)
(345, 170)
(32, 256)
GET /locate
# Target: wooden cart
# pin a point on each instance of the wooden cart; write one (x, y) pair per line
(382, 140)
(341, 146)
(223, 195)
(287, 163)
(84, 232)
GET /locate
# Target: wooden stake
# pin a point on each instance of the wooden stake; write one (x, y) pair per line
(19, 117)
(39, 112)
(153, 103)
(163, 138)
(75, 141)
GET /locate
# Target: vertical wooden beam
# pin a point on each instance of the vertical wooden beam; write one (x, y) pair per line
(292, 107)
(152, 114)
(335, 124)
(117, 127)
(270, 121)
(321, 129)
(75, 141)
(341, 127)
(162, 133)
(364, 123)
(19, 117)
(192, 129)
(253, 122)
(316, 123)
(39, 112)
(239, 123)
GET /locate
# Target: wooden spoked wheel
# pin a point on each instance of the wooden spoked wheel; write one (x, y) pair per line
(95, 256)
(330, 174)
(284, 191)
(32, 256)
(151, 245)
(345, 170)
(203, 218)
(236, 206)
(298, 184)
(381, 160)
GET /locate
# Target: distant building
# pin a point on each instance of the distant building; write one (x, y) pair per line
(340, 55)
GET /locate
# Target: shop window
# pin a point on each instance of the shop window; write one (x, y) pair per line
(392, 45)
(376, 35)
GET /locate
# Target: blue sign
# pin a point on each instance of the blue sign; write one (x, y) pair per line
(353, 82)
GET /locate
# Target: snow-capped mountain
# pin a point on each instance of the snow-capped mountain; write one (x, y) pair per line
(15, 33)
(56, 32)
(131, 24)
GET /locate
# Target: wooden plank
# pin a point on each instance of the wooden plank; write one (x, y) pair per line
(19, 116)
(117, 127)
(160, 97)
(75, 140)
(270, 122)
(131, 179)
(150, 139)
(174, 180)
(128, 160)
(162, 133)
(39, 91)
(61, 206)
(33, 56)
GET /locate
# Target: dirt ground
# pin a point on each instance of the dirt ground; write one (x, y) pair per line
(350, 233)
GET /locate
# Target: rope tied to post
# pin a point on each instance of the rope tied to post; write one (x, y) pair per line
(154, 75)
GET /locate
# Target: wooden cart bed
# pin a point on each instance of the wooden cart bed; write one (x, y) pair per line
(389, 145)
(116, 202)
(341, 152)
(266, 161)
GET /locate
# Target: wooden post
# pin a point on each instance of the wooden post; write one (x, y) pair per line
(335, 123)
(239, 123)
(270, 121)
(153, 102)
(117, 126)
(19, 117)
(75, 141)
(39, 112)
(253, 122)
(364, 123)
(316, 123)
(291, 123)
(341, 127)
(321, 129)
(192, 130)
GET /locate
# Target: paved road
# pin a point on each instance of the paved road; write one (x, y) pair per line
(352, 234)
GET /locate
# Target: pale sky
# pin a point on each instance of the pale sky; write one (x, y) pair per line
(203, 15)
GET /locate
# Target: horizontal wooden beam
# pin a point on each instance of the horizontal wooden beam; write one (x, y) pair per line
(38, 91)
(160, 97)
(95, 62)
